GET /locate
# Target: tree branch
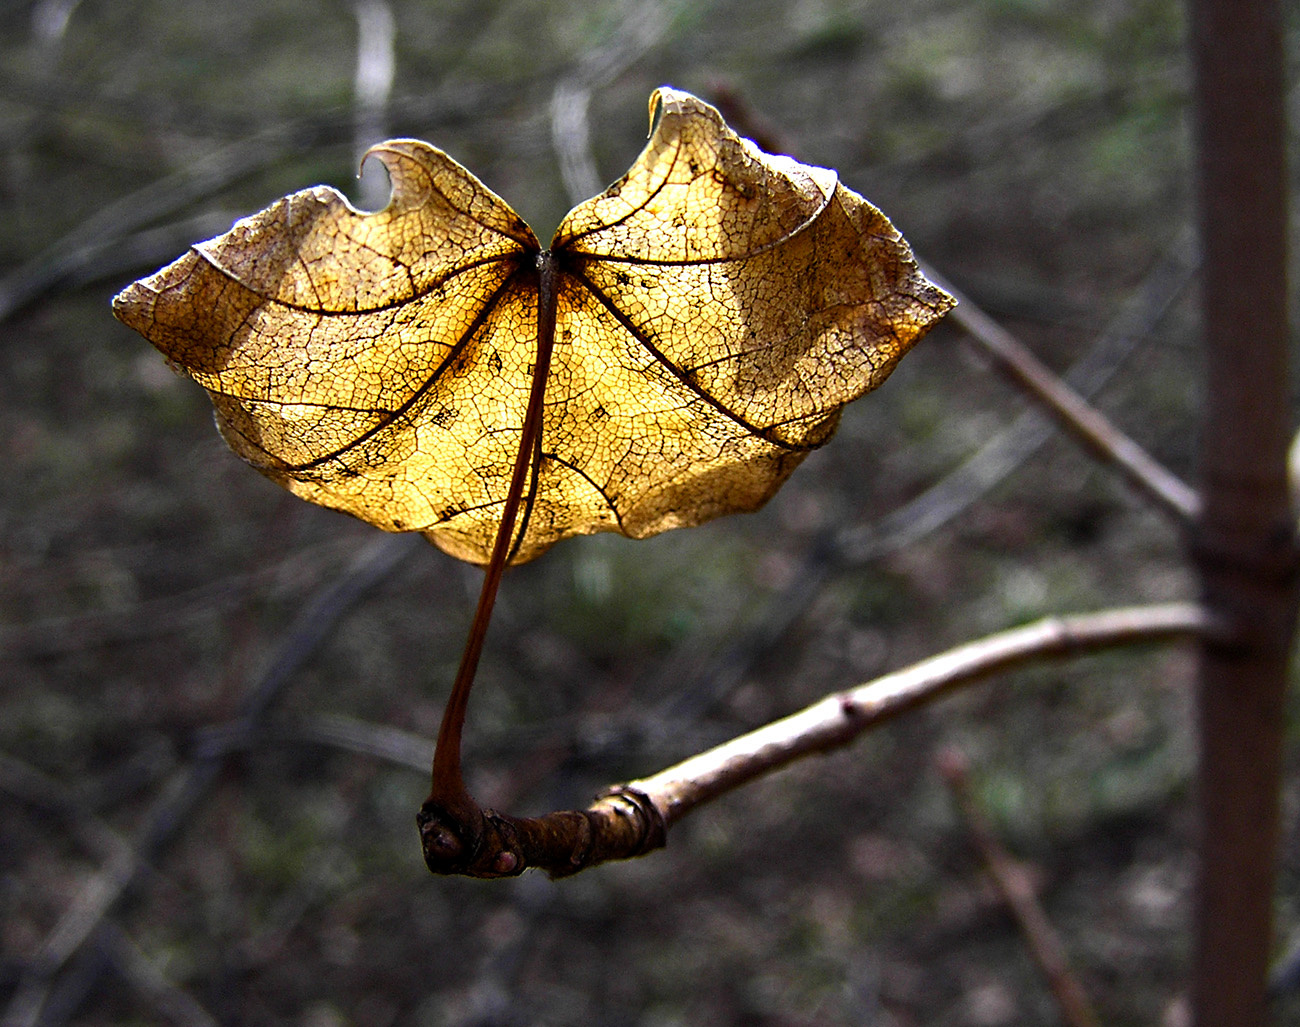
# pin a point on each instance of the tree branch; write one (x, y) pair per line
(1084, 421)
(125, 868)
(1014, 885)
(634, 818)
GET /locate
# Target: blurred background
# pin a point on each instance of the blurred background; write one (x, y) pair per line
(217, 702)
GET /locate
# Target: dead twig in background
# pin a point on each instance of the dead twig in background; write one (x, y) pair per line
(148, 980)
(32, 787)
(155, 617)
(122, 873)
(119, 236)
(1082, 420)
(1284, 978)
(1017, 890)
(348, 734)
(95, 239)
(1165, 281)
(641, 28)
(373, 86)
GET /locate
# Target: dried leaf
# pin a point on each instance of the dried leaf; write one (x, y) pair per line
(714, 310)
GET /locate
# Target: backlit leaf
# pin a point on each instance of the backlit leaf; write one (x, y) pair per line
(714, 310)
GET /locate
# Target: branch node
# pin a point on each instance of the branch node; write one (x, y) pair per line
(651, 825)
(623, 823)
(450, 844)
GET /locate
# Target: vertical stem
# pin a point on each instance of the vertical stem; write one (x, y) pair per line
(448, 786)
(1245, 547)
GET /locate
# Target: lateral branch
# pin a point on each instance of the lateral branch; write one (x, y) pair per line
(634, 818)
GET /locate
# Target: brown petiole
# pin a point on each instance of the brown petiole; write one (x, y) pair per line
(458, 835)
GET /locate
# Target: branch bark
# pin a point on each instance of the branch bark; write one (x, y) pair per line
(634, 818)
(1245, 545)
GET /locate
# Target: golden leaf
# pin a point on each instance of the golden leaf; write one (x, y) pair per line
(713, 311)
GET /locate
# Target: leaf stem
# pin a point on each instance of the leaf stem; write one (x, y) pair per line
(448, 794)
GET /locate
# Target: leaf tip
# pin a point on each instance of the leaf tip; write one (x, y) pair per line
(130, 304)
(667, 99)
(656, 110)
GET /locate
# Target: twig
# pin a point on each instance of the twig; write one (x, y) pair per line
(82, 917)
(838, 719)
(737, 112)
(124, 871)
(1284, 977)
(571, 136)
(373, 86)
(94, 248)
(1078, 417)
(380, 741)
(640, 29)
(1008, 449)
(151, 618)
(1017, 891)
(634, 818)
(95, 238)
(36, 788)
(147, 978)
(147, 247)
(50, 20)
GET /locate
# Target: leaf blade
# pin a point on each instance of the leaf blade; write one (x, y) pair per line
(715, 309)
